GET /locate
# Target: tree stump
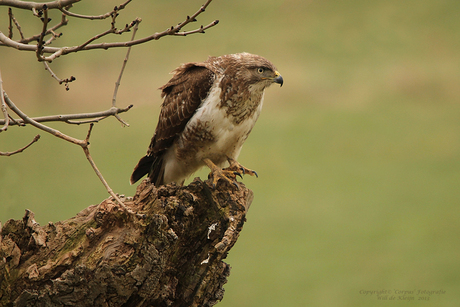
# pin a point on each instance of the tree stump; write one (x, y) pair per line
(168, 253)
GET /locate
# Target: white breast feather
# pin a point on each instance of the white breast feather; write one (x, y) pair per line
(229, 137)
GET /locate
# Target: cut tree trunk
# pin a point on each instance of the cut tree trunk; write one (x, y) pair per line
(169, 252)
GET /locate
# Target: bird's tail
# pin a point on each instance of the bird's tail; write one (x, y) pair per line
(157, 172)
(142, 168)
(152, 165)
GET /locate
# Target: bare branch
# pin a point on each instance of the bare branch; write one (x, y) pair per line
(89, 121)
(103, 16)
(42, 34)
(96, 116)
(36, 124)
(42, 48)
(65, 81)
(53, 37)
(200, 30)
(14, 121)
(82, 143)
(92, 39)
(112, 30)
(5, 114)
(30, 5)
(10, 26)
(36, 138)
(3, 107)
(57, 52)
(192, 18)
(51, 30)
(117, 83)
(96, 170)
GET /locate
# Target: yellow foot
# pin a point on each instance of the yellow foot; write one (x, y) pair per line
(217, 173)
(239, 169)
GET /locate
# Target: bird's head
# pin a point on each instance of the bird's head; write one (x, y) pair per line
(253, 69)
(266, 73)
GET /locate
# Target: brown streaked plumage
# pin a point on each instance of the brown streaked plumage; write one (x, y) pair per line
(208, 111)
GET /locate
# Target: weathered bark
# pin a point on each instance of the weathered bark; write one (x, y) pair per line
(169, 254)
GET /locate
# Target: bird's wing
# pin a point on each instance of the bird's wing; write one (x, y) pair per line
(183, 95)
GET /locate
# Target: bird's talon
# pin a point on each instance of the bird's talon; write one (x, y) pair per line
(238, 174)
(239, 169)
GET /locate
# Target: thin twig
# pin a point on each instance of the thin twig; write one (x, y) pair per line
(70, 117)
(10, 26)
(193, 17)
(65, 81)
(200, 30)
(40, 43)
(3, 107)
(103, 16)
(82, 143)
(33, 6)
(53, 37)
(62, 23)
(48, 68)
(18, 26)
(113, 29)
(36, 124)
(36, 138)
(82, 46)
(5, 114)
(57, 52)
(118, 82)
(89, 121)
(14, 121)
(85, 148)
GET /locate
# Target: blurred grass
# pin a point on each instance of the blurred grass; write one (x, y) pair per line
(358, 154)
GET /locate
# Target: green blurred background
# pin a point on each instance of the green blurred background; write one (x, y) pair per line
(358, 154)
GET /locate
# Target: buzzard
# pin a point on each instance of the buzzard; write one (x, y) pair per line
(208, 111)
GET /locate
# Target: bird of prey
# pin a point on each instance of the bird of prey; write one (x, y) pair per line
(208, 111)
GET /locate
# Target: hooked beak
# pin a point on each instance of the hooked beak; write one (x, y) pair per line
(278, 78)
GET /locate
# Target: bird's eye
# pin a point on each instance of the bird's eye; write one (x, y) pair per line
(260, 70)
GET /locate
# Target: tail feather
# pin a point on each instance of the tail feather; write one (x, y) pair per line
(142, 168)
(151, 165)
(157, 171)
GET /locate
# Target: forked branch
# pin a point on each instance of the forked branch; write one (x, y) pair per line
(82, 143)
(56, 52)
(92, 17)
(74, 119)
(47, 54)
